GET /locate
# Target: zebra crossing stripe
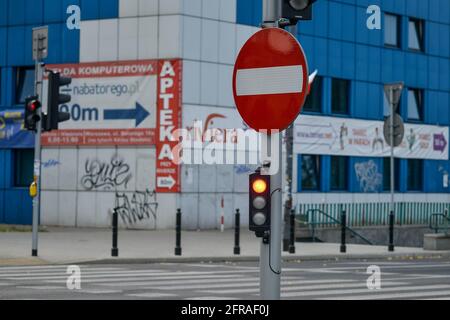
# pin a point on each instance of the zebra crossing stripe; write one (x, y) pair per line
(126, 274)
(211, 298)
(151, 295)
(175, 282)
(305, 287)
(411, 295)
(241, 284)
(344, 293)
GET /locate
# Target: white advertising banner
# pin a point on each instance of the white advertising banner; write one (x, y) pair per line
(354, 137)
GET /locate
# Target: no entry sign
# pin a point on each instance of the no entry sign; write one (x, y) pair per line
(270, 80)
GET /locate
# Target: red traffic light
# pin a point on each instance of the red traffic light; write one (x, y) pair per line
(33, 105)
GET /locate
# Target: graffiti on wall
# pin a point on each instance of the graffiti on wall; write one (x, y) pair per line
(368, 176)
(106, 175)
(136, 207)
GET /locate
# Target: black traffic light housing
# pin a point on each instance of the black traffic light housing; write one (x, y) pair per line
(259, 204)
(295, 10)
(54, 99)
(31, 118)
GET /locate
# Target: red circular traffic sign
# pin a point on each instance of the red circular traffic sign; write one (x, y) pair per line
(270, 80)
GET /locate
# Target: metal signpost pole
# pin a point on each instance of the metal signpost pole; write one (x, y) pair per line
(391, 124)
(270, 260)
(40, 36)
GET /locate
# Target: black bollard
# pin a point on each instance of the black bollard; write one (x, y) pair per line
(343, 226)
(178, 234)
(391, 231)
(114, 250)
(237, 226)
(292, 232)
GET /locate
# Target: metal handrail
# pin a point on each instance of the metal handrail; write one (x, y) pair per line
(313, 223)
(436, 227)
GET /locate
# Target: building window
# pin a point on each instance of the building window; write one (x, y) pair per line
(23, 167)
(387, 174)
(415, 104)
(392, 30)
(310, 172)
(24, 84)
(313, 101)
(339, 173)
(340, 96)
(415, 167)
(415, 34)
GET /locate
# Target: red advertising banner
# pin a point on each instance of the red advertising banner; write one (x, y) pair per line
(168, 120)
(112, 104)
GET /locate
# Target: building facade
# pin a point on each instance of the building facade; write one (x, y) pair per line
(180, 54)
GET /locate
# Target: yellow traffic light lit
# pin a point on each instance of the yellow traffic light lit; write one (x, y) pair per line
(259, 185)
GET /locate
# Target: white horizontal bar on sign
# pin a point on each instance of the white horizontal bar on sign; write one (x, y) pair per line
(273, 80)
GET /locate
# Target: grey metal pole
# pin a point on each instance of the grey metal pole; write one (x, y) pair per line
(391, 137)
(38, 71)
(270, 260)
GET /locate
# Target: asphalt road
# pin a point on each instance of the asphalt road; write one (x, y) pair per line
(399, 279)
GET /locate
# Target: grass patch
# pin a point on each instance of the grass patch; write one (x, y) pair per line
(18, 228)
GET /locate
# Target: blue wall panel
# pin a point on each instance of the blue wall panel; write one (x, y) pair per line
(244, 12)
(335, 58)
(2, 208)
(361, 92)
(16, 52)
(411, 70)
(109, 9)
(3, 12)
(320, 19)
(54, 11)
(348, 60)
(3, 160)
(55, 43)
(307, 44)
(444, 74)
(434, 175)
(433, 73)
(3, 43)
(89, 9)
(257, 12)
(444, 13)
(16, 12)
(422, 71)
(335, 21)
(320, 55)
(348, 22)
(71, 45)
(432, 109)
(34, 12)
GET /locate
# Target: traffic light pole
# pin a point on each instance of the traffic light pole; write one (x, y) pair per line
(270, 259)
(39, 73)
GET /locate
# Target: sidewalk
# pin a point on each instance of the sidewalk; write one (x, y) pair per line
(70, 245)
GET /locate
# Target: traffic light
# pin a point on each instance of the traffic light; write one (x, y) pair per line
(259, 211)
(54, 99)
(295, 10)
(32, 105)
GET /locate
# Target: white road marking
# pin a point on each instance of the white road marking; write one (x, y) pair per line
(341, 294)
(151, 295)
(244, 283)
(360, 284)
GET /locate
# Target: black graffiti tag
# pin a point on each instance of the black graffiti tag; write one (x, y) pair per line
(136, 207)
(106, 175)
